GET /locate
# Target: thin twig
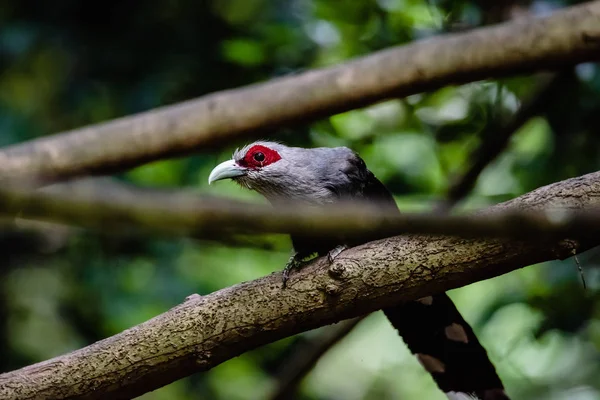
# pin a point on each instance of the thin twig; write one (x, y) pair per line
(304, 359)
(579, 269)
(498, 139)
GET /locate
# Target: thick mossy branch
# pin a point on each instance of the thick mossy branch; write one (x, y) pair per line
(569, 36)
(207, 330)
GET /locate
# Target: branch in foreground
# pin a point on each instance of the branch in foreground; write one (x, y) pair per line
(207, 330)
(569, 36)
(122, 208)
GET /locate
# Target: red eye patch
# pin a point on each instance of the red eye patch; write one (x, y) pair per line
(259, 156)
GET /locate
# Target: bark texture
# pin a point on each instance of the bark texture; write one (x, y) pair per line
(569, 36)
(207, 330)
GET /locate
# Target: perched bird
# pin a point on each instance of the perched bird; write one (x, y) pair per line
(432, 327)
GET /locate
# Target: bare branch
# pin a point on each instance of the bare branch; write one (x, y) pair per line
(124, 208)
(569, 36)
(207, 330)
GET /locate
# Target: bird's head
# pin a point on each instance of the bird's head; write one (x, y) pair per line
(254, 166)
(279, 172)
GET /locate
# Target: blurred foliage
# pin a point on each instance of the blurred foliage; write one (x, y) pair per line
(69, 63)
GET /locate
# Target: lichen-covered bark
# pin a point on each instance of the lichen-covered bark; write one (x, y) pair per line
(569, 36)
(207, 330)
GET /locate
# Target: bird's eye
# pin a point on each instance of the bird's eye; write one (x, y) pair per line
(260, 157)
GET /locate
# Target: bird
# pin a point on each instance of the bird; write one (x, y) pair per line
(432, 327)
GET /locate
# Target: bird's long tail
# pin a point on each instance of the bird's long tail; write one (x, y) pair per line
(446, 346)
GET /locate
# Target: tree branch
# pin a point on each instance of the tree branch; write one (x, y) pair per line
(569, 36)
(126, 208)
(207, 330)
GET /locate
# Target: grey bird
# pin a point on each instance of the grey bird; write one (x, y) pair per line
(432, 328)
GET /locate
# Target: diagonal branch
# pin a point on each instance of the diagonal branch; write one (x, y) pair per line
(207, 330)
(569, 36)
(126, 208)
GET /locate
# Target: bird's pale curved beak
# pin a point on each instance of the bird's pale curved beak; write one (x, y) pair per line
(227, 169)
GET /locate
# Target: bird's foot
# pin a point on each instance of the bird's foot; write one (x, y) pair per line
(336, 251)
(295, 261)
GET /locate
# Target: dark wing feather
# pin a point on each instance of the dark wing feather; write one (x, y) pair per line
(371, 188)
(351, 181)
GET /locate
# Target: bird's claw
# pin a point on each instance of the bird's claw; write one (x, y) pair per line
(297, 260)
(294, 262)
(336, 251)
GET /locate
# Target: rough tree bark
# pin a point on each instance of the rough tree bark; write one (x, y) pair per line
(569, 36)
(207, 330)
